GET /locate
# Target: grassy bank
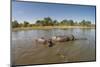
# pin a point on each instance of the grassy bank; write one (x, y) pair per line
(49, 27)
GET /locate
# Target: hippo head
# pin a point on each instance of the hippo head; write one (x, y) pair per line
(54, 37)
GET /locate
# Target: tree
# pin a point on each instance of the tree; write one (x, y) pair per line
(26, 23)
(20, 24)
(82, 22)
(38, 22)
(15, 24)
(88, 23)
(85, 23)
(71, 22)
(47, 21)
(55, 22)
(67, 22)
(64, 22)
(76, 23)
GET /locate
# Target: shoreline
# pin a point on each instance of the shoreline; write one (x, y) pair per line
(51, 27)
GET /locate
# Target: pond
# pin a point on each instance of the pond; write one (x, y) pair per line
(26, 51)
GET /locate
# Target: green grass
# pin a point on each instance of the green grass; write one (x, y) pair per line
(49, 27)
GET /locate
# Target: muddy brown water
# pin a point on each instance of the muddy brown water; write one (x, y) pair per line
(25, 50)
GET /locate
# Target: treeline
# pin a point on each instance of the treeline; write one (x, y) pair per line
(49, 22)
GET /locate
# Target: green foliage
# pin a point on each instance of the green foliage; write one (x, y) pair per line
(15, 24)
(67, 22)
(49, 22)
(21, 25)
(64, 21)
(26, 23)
(76, 23)
(55, 22)
(45, 22)
(71, 22)
(38, 22)
(85, 23)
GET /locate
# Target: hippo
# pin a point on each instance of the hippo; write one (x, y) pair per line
(65, 38)
(50, 43)
(44, 41)
(41, 40)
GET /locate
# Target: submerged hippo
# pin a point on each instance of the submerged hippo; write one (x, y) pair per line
(43, 40)
(66, 38)
(63, 38)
